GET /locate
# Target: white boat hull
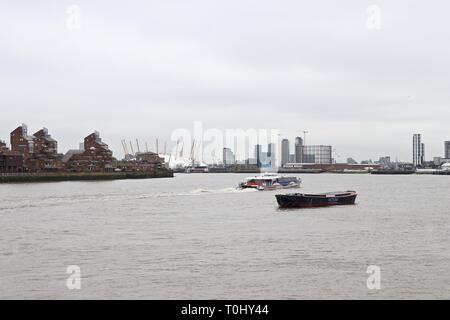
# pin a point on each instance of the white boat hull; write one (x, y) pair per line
(270, 182)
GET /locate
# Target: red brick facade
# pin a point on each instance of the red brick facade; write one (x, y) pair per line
(95, 157)
(145, 162)
(39, 151)
(46, 152)
(22, 142)
(10, 161)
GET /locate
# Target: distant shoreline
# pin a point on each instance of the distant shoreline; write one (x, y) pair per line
(76, 176)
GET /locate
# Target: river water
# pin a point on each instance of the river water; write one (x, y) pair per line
(195, 237)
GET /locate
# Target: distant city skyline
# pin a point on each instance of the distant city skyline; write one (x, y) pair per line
(417, 153)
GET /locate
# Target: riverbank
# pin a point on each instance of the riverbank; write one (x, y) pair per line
(85, 176)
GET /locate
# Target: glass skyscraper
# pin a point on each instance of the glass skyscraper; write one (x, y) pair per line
(317, 154)
(418, 150)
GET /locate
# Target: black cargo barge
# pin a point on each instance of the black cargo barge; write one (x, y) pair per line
(304, 200)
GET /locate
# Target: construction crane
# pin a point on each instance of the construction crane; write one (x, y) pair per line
(304, 136)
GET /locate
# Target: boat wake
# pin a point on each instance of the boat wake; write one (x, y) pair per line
(54, 201)
(224, 190)
(197, 192)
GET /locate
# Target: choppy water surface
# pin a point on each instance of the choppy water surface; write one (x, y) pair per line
(196, 237)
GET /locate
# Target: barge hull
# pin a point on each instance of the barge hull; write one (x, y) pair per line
(318, 200)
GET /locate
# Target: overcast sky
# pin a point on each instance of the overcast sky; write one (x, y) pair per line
(141, 69)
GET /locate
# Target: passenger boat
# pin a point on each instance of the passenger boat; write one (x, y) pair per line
(269, 181)
(305, 200)
(196, 169)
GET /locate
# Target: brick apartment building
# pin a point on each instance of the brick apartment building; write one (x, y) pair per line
(145, 162)
(46, 152)
(39, 151)
(10, 161)
(94, 156)
(22, 142)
